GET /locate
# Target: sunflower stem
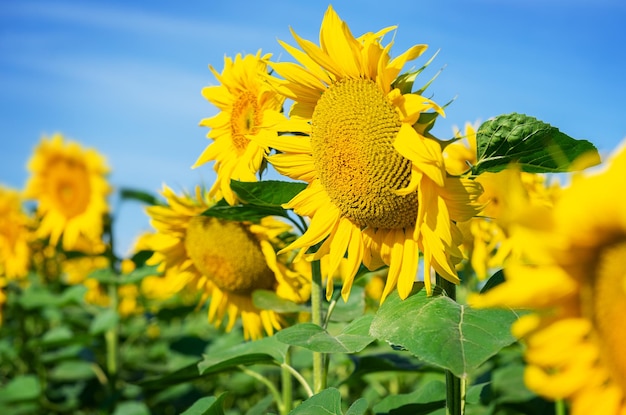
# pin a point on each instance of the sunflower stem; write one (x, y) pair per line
(112, 334)
(319, 368)
(286, 383)
(455, 386)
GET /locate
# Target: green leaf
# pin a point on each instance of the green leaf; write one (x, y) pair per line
(423, 400)
(240, 213)
(104, 321)
(176, 377)
(269, 300)
(508, 384)
(495, 280)
(269, 193)
(131, 408)
(21, 388)
(209, 405)
(327, 402)
(35, 297)
(349, 310)
(138, 195)
(353, 338)
(359, 407)
(442, 332)
(266, 350)
(139, 274)
(72, 371)
(533, 145)
(387, 362)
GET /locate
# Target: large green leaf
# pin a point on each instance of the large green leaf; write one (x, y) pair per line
(269, 193)
(423, 400)
(105, 320)
(209, 405)
(20, 388)
(266, 350)
(252, 213)
(73, 370)
(328, 402)
(442, 332)
(353, 338)
(131, 408)
(533, 145)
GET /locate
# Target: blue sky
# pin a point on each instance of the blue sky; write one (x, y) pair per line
(125, 77)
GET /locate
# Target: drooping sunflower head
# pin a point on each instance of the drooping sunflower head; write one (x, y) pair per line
(248, 107)
(70, 186)
(375, 179)
(576, 282)
(15, 235)
(225, 260)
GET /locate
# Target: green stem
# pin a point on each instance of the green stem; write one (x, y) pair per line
(455, 386)
(286, 383)
(299, 378)
(559, 407)
(319, 369)
(273, 390)
(112, 335)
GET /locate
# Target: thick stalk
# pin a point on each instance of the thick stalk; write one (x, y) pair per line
(455, 386)
(319, 368)
(287, 384)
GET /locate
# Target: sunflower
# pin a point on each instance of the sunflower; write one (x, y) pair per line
(248, 106)
(506, 195)
(460, 155)
(574, 278)
(377, 186)
(69, 183)
(14, 235)
(224, 260)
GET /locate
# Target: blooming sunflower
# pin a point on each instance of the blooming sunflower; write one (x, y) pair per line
(377, 187)
(248, 107)
(224, 260)
(574, 277)
(506, 196)
(14, 235)
(69, 183)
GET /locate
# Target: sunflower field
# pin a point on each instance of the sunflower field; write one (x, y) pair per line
(389, 271)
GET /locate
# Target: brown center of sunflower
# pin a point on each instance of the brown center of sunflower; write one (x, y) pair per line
(245, 118)
(70, 188)
(609, 308)
(228, 254)
(353, 129)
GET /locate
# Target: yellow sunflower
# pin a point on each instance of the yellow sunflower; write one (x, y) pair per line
(377, 187)
(223, 260)
(506, 196)
(14, 235)
(69, 183)
(460, 155)
(247, 107)
(574, 277)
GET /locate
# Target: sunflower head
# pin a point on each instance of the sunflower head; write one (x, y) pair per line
(378, 190)
(15, 235)
(70, 187)
(574, 276)
(225, 260)
(247, 107)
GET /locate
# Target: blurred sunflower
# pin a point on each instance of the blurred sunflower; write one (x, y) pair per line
(223, 260)
(378, 188)
(460, 155)
(69, 184)
(574, 277)
(15, 235)
(248, 106)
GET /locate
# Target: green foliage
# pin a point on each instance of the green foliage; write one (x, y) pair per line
(531, 144)
(353, 338)
(328, 402)
(443, 332)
